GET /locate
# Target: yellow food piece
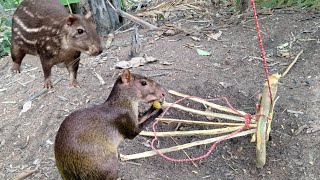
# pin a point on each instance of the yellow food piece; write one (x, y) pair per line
(156, 104)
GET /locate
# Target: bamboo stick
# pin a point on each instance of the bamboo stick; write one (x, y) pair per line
(215, 106)
(169, 120)
(216, 115)
(184, 146)
(266, 106)
(293, 62)
(192, 133)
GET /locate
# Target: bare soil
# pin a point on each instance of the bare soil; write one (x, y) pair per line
(26, 140)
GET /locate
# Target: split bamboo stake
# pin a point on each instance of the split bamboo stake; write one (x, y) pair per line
(212, 105)
(169, 120)
(192, 133)
(184, 146)
(265, 108)
(211, 114)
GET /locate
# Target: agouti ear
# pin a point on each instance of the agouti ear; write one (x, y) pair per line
(71, 19)
(126, 76)
(88, 15)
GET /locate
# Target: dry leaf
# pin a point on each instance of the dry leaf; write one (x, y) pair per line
(215, 36)
(100, 78)
(26, 107)
(135, 62)
(203, 52)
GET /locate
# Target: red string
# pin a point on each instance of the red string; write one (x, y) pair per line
(261, 48)
(247, 117)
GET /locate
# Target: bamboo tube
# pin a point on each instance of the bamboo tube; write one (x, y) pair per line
(169, 120)
(216, 115)
(215, 106)
(184, 146)
(192, 133)
(266, 106)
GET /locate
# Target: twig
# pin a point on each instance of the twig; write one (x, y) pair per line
(168, 120)
(184, 152)
(134, 163)
(216, 115)
(160, 74)
(215, 106)
(99, 78)
(26, 174)
(184, 146)
(43, 91)
(293, 62)
(135, 43)
(133, 18)
(192, 133)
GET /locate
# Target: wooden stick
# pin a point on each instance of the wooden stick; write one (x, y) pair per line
(293, 62)
(184, 146)
(266, 106)
(168, 120)
(195, 165)
(215, 106)
(43, 91)
(133, 18)
(216, 115)
(192, 133)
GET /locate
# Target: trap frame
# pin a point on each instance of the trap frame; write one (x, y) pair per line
(259, 125)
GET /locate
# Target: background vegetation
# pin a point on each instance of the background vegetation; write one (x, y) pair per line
(10, 5)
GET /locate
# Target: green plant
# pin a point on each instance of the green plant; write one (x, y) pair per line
(5, 27)
(5, 36)
(9, 4)
(68, 2)
(313, 4)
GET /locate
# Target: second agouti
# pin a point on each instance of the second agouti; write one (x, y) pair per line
(87, 141)
(45, 28)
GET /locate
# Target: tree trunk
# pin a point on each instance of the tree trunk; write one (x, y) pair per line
(105, 17)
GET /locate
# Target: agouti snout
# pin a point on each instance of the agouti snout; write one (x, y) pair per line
(50, 32)
(87, 140)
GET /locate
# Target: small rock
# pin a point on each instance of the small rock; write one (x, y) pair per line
(36, 162)
(49, 142)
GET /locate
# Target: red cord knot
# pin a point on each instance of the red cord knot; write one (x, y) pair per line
(248, 118)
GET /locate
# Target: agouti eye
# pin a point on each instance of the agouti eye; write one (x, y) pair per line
(80, 31)
(143, 83)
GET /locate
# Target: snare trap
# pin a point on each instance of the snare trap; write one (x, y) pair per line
(239, 122)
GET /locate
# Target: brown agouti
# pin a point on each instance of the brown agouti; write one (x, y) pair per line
(45, 28)
(87, 140)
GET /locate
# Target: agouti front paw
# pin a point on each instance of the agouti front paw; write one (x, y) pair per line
(74, 83)
(15, 68)
(47, 84)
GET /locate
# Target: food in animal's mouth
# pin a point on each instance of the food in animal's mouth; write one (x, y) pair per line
(156, 104)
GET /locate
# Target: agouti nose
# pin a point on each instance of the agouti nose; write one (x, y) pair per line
(163, 91)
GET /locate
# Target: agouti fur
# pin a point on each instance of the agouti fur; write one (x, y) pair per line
(45, 28)
(87, 140)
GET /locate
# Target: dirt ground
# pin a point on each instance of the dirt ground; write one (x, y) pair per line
(233, 70)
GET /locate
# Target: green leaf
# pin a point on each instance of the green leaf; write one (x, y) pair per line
(66, 2)
(203, 52)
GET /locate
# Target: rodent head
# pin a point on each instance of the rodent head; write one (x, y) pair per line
(139, 87)
(82, 35)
